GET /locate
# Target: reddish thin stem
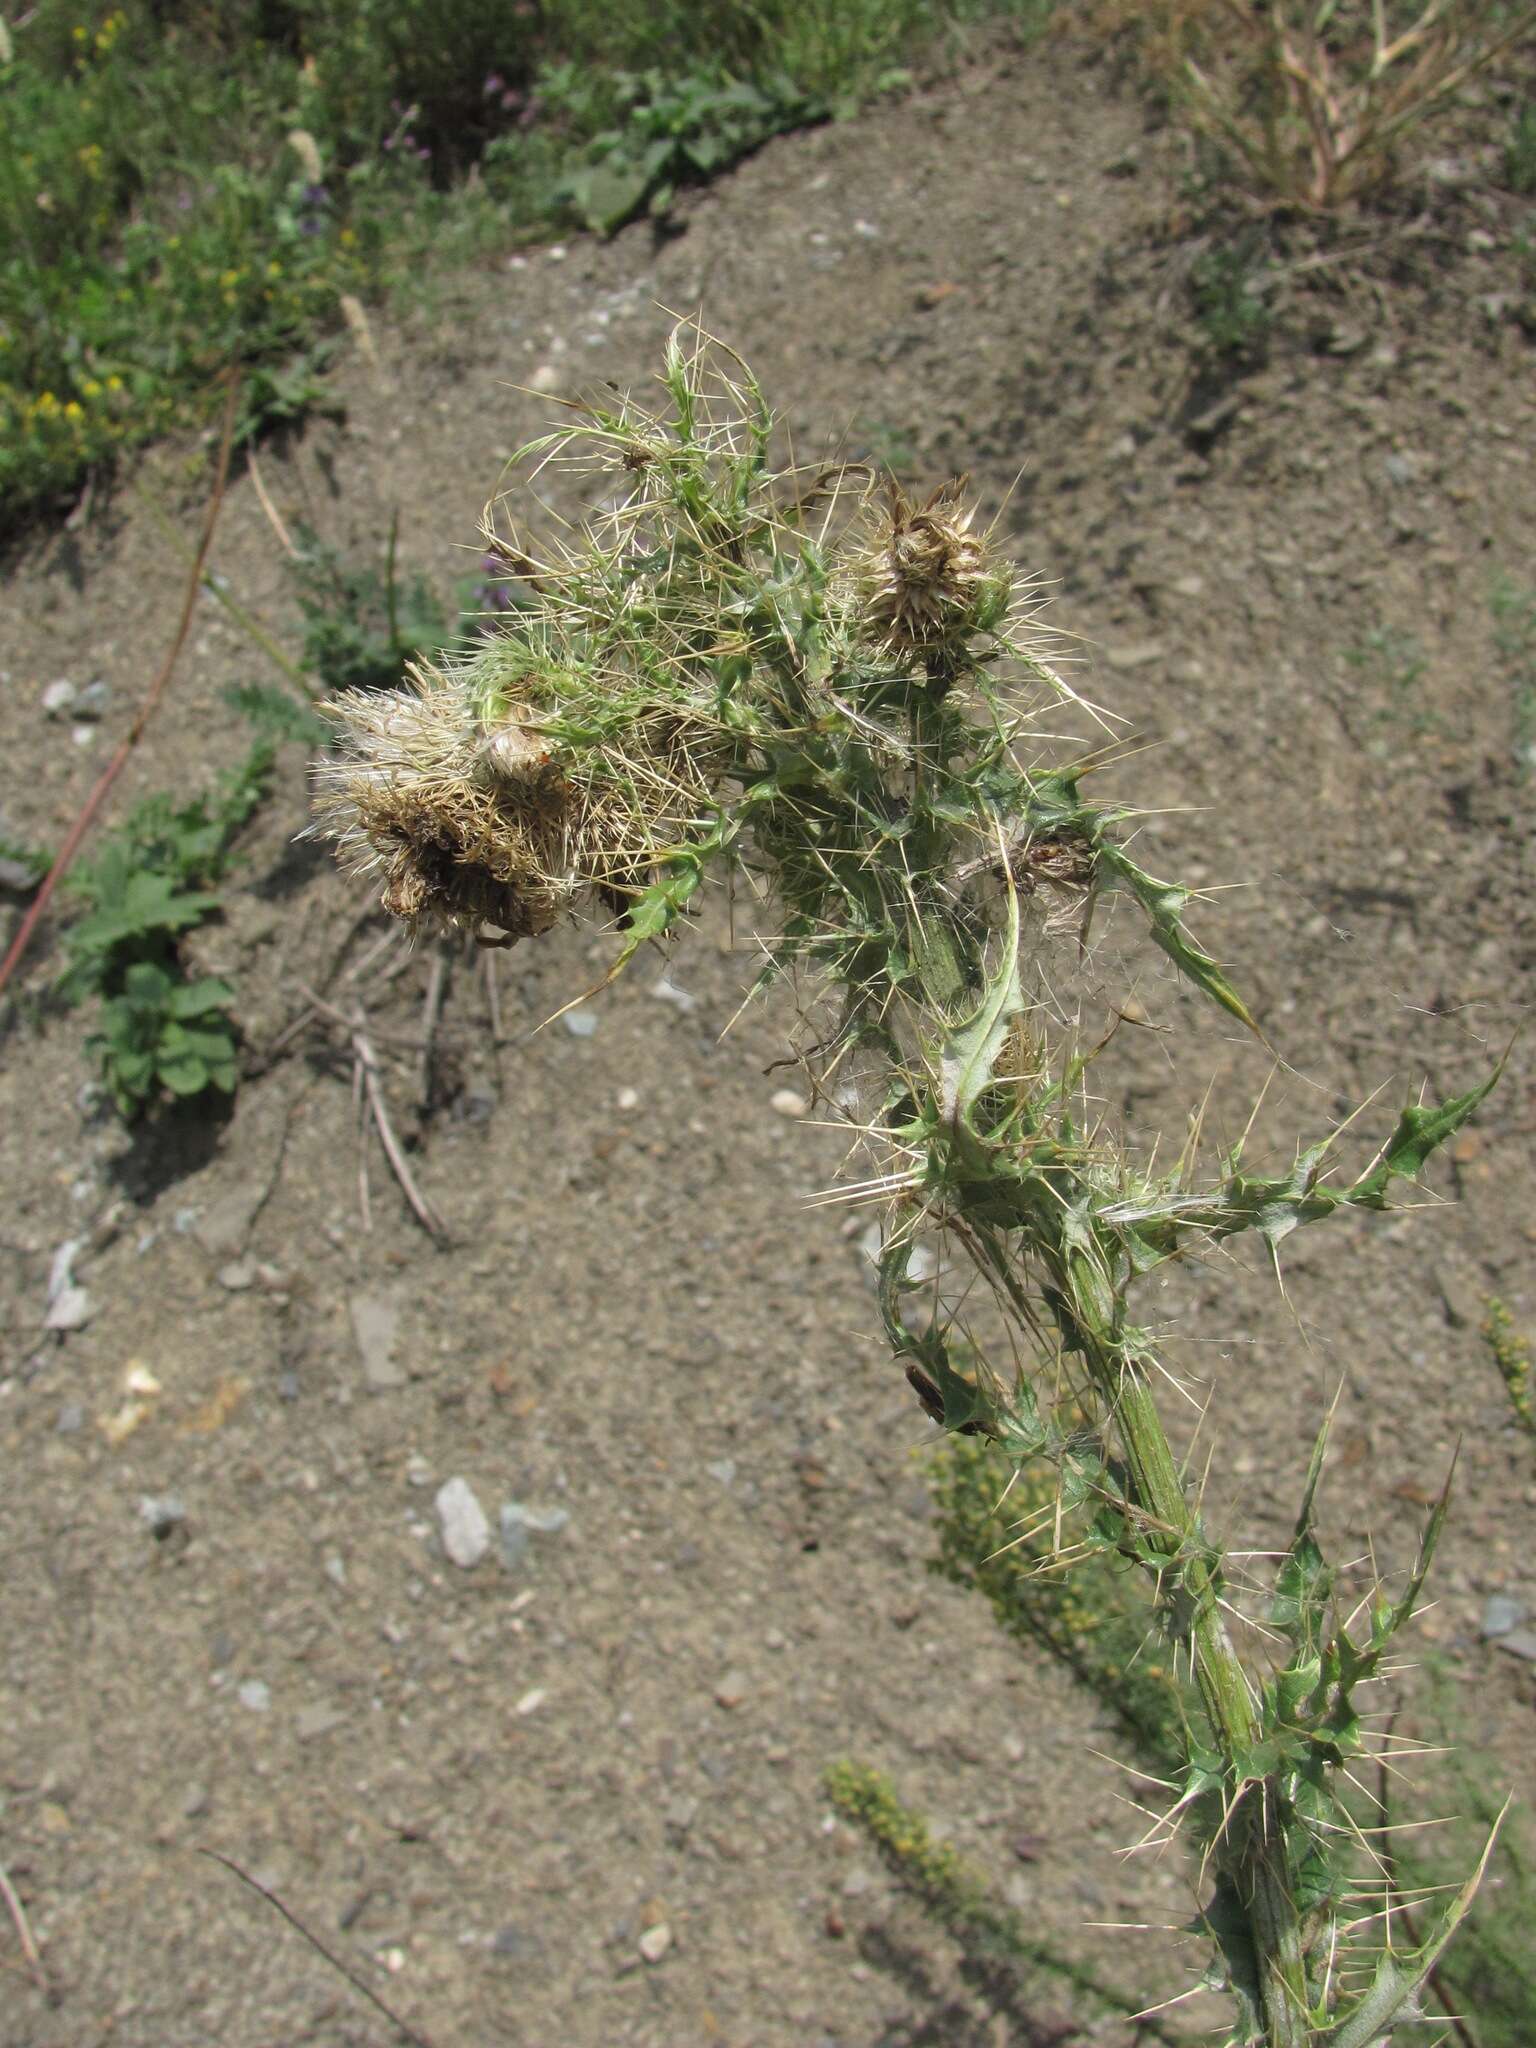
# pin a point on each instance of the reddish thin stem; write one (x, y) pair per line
(145, 712)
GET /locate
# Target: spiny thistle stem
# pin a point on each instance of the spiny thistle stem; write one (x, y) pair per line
(829, 686)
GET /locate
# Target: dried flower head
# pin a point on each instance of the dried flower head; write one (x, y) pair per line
(465, 825)
(923, 579)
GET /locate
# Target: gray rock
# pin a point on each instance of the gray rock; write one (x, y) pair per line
(519, 1522)
(666, 990)
(194, 1802)
(59, 697)
(375, 1328)
(238, 1275)
(465, 1531)
(1501, 1614)
(1520, 1642)
(93, 701)
(255, 1694)
(70, 1309)
(225, 1224)
(581, 1023)
(161, 1512)
(723, 1469)
(17, 874)
(1139, 654)
(655, 1941)
(71, 1418)
(310, 1723)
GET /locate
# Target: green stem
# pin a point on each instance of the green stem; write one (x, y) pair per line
(1251, 1853)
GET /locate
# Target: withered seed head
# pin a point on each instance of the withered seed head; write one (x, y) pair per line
(924, 579)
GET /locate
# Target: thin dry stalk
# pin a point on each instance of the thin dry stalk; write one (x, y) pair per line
(437, 981)
(368, 1059)
(18, 1915)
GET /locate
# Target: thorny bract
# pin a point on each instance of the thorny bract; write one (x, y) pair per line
(832, 693)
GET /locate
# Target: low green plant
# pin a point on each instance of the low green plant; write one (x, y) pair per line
(958, 1897)
(672, 132)
(22, 866)
(1231, 310)
(1097, 1621)
(1511, 1354)
(843, 692)
(362, 622)
(1487, 1979)
(1520, 151)
(162, 1031)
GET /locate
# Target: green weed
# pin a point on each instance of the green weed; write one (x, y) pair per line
(143, 891)
(1231, 310)
(672, 133)
(957, 1896)
(1520, 151)
(1388, 664)
(1512, 1355)
(836, 691)
(362, 624)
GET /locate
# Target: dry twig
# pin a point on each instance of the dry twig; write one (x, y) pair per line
(24, 1934)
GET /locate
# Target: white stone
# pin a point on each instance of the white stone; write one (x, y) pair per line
(465, 1531)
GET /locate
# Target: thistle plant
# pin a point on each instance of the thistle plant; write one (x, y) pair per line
(814, 687)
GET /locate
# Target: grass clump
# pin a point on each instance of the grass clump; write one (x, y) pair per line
(834, 696)
(1311, 102)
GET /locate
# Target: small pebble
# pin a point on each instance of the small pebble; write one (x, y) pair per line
(723, 1469)
(375, 1330)
(237, 1276)
(310, 1723)
(161, 1513)
(581, 1023)
(629, 1098)
(465, 1531)
(787, 1103)
(1501, 1614)
(255, 1694)
(731, 1690)
(655, 1941)
(531, 1702)
(1520, 1642)
(1139, 654)
(665, 990)
(59, 697)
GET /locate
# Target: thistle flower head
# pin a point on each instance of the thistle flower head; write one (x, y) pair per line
(922, 579)
(464, 825)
